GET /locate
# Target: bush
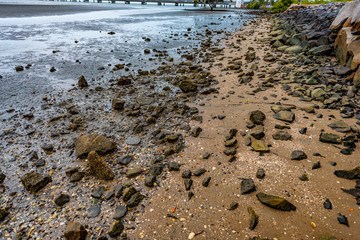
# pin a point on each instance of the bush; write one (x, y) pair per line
(281, 5)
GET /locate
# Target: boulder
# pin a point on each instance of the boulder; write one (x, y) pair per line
(34, 181)
(285, 116)
(330, 138)
(260, 146)
(348, 174)
(275, 202)
(75, 231)
(298, 155)
(257, 117)
(350, 10)
(98, 167)
(93, 142)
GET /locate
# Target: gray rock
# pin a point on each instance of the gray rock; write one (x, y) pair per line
(133, 140)
(260, 173)
(120, 212)
(98, 192)
(156, 169)
(298, 155)
(275, 202)
(199, 172)
(133, 172)
(206, 181)
(285, 116)
(174, 166)
(150, 180)
(186, 174)
(93, 142)
(257, 117)
(330, 138)
(76, 177)
(125, 160)
(348, 174)
(282, 135)
(196, 131)
(34, 181)
(128, 192)
(188, 182)
(144, 100)
(135, 200)
(233, 206)
(247, 186)
(94, 211)
(230, 151)
(62, 199)
(247, 141)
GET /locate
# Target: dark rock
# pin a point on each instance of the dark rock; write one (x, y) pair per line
(98, 192)
(109, 195)
(206, 181)
(124, 80)
(188, 86)
(125, 160)
(260, 173)
(257, 117)
(2, 177)
(190, 195)
(116, 228)
(206, 155)
(304, 177)
(233, 206)
(254, 218)
(298, 155)
(259, 134)
(247, 141)
(3, 214)
(303, 130)
(199, 172)
(348, 174)
(188, 182)
(275, 202)
(281, 135)
(329, 138)
(94, 211)
(174, 166)
(19, 68)
(285, 116)
(135, 200)
(118, 104)
(247, 186)
(128, 192)
(120, 212)
(316, 165)
(34, 181)
(150, 180)
(196, 131)
(62, 199)
(77, 176)
(40, 162)
(230, 151)
(343, 220)
(92, 142)
(186, 174)
(82, 83)
(231, 142)
(327, 204)
(75, 231)
(98, 167)
(118, 189)
(133, 172)
(156, 169)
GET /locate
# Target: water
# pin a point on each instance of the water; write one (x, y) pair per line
(82, 44)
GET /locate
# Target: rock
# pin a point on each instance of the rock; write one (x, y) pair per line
(231, 142)
(124, 80)
(188, 86)
(93, 142)
(133, 172)
(320, 50)
(172, 138)
(98, 167)
(348, 174)
(275, 202)
(257, 117)
(156, 169)
(254, 218)
(75, 231)
(260, 146)
(133, 140)
(285, 116)
(247, 141)
(19, 68)
(174, 166)
(34, 181)
(258, 134)
(62, 199)
(230, 151)
(343, 219)
(116, 228)
(316, 165)
(118, 189)
(94, 211)
(144, 100)
(3, 214)
(150, 180)
(342, 71)
(196, 131)
(2, 177)
(282, 135)
(125, 160)
(233, 206)
(82, 83)
(186, 174)
(77, 176)
(340, 126)
(330, 138)
(120, 212)
(260, 173)
(188, 182)
(304, 177)
(135, 200)
(327, 204)
(118, 104)
(98, 192)
(128, 192)
(206, 181)
(247, 186)
(298, 155)
(317, 93)
(294, 49)
(199, 172)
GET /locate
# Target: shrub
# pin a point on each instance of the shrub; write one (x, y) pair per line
(281, 5)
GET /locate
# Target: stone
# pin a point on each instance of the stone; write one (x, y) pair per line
(128, 192)
(316, 165)
(304, 177)
(343, 219)
(260, 146)
(120, 212)
(340, 126)
(188, 86)
(133, 140)
(62, 199)
(34, 181)
(320, 50)
(247, 141)
(199, 172)
(206, 181)
(254, 218)
(98, 192)
(327, 204)
(133, 172)
(125, 160)
(298, 155)
(174, 166)
(144, 100)
(285, 116)
(94, 211)
(75, 231)
(188, 182)
(260, 173)
(348, 174)
(116, 229)
(258, 134)
(294, 49)
(282, 135)
(76, 177)
(172, 138)
(98, 167)
(135, 200)
(257, 117)
(150, 181)
(118, 104)
(196, 131)
(93, 142)
(317, 93)
(156, 169)
(330, 138)
(230, 151)
(3, 214)
(275, 202)
(247, 186)
(233, 206)
(19, 68)
(124, 80)
(186, 174)
(231, 142)
(82, 83)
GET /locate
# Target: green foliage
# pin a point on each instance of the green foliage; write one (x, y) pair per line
(256, 4)
(281, 5)
(319, 1)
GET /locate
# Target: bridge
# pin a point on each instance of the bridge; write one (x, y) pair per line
(159, 2)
